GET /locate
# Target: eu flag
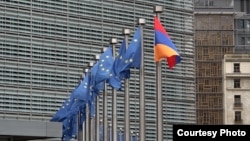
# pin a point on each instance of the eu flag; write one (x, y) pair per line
(63, 109)
(102, 71)
(94, 86)
(83, 90)
(101, 132)
(115, 78)
(92, 106)
(120, 136)
(61, 114)
(133, 138)
(69, 128)
(132, 57)
(82, 116)
(164, 47)
(81, 96)
(99, 74)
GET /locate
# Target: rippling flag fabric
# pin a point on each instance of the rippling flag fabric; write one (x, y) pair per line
(164, 47)
(115, 78)
(132, 57)
(64, 110)
(103, 67)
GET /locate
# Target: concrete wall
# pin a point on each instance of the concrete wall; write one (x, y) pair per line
(29, 129)
(230, 91)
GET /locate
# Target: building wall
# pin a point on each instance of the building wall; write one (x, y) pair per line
(46, 45)
(242, 33)
(213, 38)
(230, 104)
(212, 17)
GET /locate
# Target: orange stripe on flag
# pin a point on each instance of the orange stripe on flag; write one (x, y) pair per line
(163, 51)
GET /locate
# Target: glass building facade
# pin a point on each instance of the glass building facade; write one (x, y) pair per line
(46, 44)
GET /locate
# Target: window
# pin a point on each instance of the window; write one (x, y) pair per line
(248, 40)
(248, 7)
(236, 67)
(236, 83)
(237, 101)
(242, 6)
(242, 40)
(241, 24)
(237, 116)
(248, 24)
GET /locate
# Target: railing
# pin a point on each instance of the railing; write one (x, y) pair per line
(238, 105)
(238, 121)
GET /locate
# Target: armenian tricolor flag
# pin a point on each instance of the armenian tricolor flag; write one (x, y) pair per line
(164, 47)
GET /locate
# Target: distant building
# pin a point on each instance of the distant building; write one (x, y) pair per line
(236, 88)
(221, 27)
(214, 37)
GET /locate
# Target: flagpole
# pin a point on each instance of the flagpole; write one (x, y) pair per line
(158, 10)
(92, 128)
(126, 33)
(79, 133)
(84, 123)
(83, 132)
(87, 123)
(97, 116)
(113, 41)
(91, 119)
(100, 132)
(142, 22)
(87, 117)
(137, 136)
(110, 132)
(105, 111)
(120, 135)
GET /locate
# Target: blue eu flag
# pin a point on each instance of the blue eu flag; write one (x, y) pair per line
(132, 57)
(115, 78)
(82, 116)
(101, 72)
(118, 59)
(78, 97)
(83, 90)
(133, 138)
(120, 136)
(92, 106)
(101, 132)
(63, 109)
(61, 114)
(69, 128)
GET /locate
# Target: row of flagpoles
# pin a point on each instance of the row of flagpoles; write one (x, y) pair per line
(80, 112)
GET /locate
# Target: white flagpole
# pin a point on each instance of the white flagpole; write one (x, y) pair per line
(105, 113)
(91, 119)
(158, 10)
(113, 41)
(142, 22)
(120, 135)
(87, 118)
(79, 133)
(84, 123)
(97, 113)
(110, 132)
(126, 33)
